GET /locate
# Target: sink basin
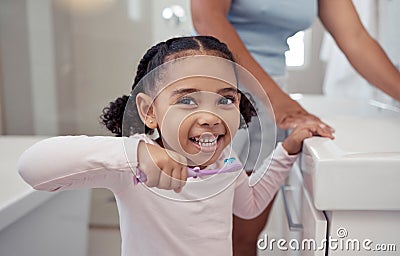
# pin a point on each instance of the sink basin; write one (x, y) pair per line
(360, 169)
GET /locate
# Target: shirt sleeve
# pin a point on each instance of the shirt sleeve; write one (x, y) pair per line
(73, 162)
(254, 193)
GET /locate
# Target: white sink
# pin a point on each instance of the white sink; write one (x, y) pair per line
(360, 169)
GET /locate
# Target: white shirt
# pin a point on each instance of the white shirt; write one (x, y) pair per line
(152, 224)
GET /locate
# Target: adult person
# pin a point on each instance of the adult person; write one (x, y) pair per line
(256, 31)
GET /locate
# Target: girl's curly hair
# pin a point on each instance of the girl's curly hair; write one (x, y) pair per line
(112, 115)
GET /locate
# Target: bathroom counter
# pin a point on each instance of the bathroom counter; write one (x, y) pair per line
(38, 222)
(341, 193)
(359, 169)
(16, 197)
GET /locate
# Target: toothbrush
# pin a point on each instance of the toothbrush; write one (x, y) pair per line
(230, 165)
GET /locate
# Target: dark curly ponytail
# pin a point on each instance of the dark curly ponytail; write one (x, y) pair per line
(173, 48)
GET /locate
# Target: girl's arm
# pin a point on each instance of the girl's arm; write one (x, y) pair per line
(73, 162)
(209, 18)
(252, 198)
(342, 21)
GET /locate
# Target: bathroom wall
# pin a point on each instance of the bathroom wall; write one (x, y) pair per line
(106, 48)
(1, 99)
(64, 70)
(62, 62)
(16, 79)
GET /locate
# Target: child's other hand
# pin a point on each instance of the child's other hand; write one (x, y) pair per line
(164, 169)
(294, 141)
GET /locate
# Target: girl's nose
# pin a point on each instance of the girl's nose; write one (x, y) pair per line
(208, 119)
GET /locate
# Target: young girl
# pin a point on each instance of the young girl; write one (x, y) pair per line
(196, 118)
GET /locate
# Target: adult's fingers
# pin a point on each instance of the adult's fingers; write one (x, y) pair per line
(324, 132)
(292, 121)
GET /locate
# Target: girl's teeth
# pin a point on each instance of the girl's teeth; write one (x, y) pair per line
(208, 144)
(206, 140)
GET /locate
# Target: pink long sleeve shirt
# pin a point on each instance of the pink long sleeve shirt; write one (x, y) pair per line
(197, 221)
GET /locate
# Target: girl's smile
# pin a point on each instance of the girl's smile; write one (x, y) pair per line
(207, 142)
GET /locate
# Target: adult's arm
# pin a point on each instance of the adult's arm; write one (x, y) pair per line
(341, 20)
(210, 18)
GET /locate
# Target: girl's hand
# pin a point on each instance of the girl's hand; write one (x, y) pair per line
(164, 169)
(294, 141)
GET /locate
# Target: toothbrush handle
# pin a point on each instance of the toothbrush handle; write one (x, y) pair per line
(141, 176)
(193, 172)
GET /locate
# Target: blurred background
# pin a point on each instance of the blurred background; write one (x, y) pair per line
(62, 61)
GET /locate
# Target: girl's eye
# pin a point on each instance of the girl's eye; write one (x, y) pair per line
(227, 100)
(186, 101)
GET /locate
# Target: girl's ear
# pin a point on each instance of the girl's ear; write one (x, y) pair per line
(239, 95)
(144, 104)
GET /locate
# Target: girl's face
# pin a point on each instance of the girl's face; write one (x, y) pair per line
(197, 117)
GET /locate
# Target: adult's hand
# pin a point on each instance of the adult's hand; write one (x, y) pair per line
(289, 114)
